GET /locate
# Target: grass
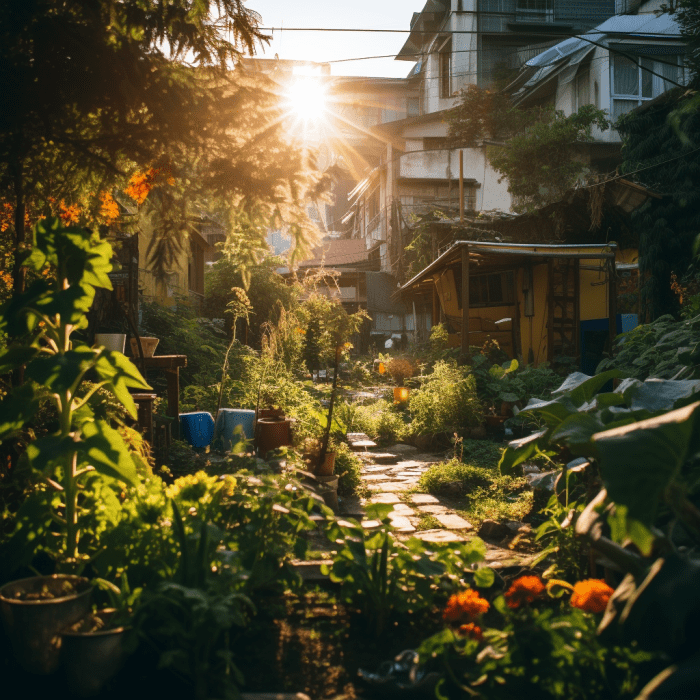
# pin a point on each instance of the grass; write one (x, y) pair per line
(480, 490)
(428, 522)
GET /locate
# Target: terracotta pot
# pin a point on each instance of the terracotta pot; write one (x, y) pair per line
(149, 346)
(401, 394)
(328, 465)
(34, 626)
(271, 433)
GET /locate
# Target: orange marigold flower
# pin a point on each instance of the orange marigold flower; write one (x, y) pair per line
(523, 590)
(109, 209)
(591, 595)
(140, 184)
(466, 604)
(68, 213)
(472, 631)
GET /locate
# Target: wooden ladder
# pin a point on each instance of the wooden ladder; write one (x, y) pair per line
(563, 335)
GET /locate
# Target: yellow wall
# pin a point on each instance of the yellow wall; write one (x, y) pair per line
(177, 284)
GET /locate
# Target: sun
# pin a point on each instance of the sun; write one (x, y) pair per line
(307, 99)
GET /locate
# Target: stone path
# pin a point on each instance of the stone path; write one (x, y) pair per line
(391, 476)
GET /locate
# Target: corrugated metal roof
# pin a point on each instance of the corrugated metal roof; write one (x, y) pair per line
(336, 252)
(661, 25)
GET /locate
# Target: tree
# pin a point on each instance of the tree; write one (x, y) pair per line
(536, 156)
(95, 89)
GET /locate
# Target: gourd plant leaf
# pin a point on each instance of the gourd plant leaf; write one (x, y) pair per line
(16, 409)
(103, 448)
(41, 454)
(581, 388)
(518, 451)
(660, 394)
(60, 372)
(638, 461)
(552, 412)
(576, 431)
(122, 375)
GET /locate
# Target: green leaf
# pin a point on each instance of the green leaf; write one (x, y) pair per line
(103, 448)
(581, 388)
(638, 461)
(16, 409)
(576, 432)
(552, 412)
(121, 375)
(47, 453)
(59, 372)
(659, 394)
(15, 357)
(518, 451)
(484, 577)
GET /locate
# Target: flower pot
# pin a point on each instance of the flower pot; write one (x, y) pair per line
(33, 623)
(149, 346)
(271, 433)
(91, 658)
(401, 394)
(327, 466)
(116, 342)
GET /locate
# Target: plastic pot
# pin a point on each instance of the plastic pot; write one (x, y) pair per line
(34, 626)
(116, 342)
(91, 659)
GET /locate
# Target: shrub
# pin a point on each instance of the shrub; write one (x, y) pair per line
(380, 420)
(348, 468)
(445, 402)
(400, 369)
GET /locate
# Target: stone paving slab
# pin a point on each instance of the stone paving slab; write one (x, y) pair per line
(362, 444)
(402, 509)
(438, 536)
(452, 521)
(410, 474)
(423, 499)
(389, 486)
(433, 509)
(379, 477)
(390, 498)
(384, 457)
(376, 468)
(402, 524)
(371, 524)
(402, 448)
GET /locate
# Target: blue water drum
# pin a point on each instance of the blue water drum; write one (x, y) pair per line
(197, 428)
(227, 420)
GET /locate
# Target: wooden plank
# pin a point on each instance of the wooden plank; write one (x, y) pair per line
(165, 361)
(173, 377)
(577, 309)
(465, 299)
(550, 310)
(612, 303)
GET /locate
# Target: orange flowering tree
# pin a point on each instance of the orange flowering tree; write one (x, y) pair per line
(537, 639)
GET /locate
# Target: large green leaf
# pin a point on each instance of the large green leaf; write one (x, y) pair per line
(16, 356)
(103, 448)
(638, 461)
(660, 394)
(576, 431)
(16, 409)
(520, 450)
(59, 372)
(46, 453)
(122, 375)
(581, 388)
(552, 412)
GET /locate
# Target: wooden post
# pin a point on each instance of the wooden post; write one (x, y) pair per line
(612, 303)
(465, 299)
(436, 306)
(173, 377)
(461, 188)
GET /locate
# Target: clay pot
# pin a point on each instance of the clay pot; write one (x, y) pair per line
(327, 466)
(149, 346)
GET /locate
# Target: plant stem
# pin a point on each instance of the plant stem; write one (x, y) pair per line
(327, 433)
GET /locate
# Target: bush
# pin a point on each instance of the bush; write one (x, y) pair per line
(446, 401)
(400, 369)
(380, 420)
(348, 468)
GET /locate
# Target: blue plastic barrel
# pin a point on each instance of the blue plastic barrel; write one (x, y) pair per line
(197, 428)
(227, 420)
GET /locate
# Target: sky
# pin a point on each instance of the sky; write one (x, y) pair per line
(321, 47)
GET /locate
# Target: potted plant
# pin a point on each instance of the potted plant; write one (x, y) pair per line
(400, 369)
(337, 326)
(43, 320)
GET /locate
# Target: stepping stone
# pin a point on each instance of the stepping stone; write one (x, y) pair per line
(354, 437)
(402, 524)
(351, 506)
(389, 498)
(453, 521)
(402, 509)
(376, 468)
(389, 487)
(410, 464)
(423, 499)
(376, 477)
(384, 457)
(439, 536)
(371, 524)
(362, 445)
(433, 510)
(497, 558)
(409, 474)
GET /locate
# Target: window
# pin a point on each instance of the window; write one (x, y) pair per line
(413, 106)
(632, 82)
(445, 57)
(583, 87)
(496, 289)
(535, 10)
(435, 143)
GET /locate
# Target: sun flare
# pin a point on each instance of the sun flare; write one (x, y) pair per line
(307, 99)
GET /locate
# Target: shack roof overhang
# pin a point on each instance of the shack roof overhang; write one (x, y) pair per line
(486, 256)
